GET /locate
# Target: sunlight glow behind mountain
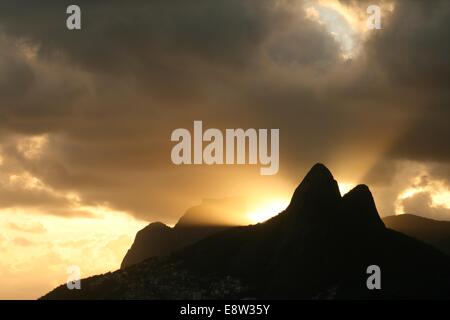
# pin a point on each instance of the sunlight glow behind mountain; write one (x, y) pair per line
(345, 187)
(267, 209)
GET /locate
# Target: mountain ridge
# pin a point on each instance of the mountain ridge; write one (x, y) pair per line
(158, 239)
(321, 241)
(433, 232)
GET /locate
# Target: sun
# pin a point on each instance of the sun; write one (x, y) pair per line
(266, 210)
(345, 187)
(260, 210)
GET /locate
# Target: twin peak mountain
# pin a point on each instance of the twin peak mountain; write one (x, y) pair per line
(319, 247)
(316, 204)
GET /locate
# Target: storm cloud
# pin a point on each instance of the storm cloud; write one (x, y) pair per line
(107, 97)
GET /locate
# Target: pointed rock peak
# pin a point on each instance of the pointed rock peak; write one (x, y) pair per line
(362, 190)
(359, 206)
(361, 197)
(319, 170)
(155, 226)
(318, 176)
(318, 192)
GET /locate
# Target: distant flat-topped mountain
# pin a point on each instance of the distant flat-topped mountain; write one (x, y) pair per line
(319, 247)
(434, 232)
(157, 239)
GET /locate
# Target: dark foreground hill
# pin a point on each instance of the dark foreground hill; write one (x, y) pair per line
(158, 239)
(319, 247)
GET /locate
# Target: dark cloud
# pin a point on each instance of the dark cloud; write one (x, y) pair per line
(413, 50)
(413, 53)
(109, 96)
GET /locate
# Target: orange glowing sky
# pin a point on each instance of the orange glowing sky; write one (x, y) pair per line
(85, 118)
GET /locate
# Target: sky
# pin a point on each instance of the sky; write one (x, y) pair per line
(86, 116)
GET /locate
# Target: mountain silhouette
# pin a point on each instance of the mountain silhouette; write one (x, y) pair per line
(198, 222)
(319, 247)
(434, 232)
